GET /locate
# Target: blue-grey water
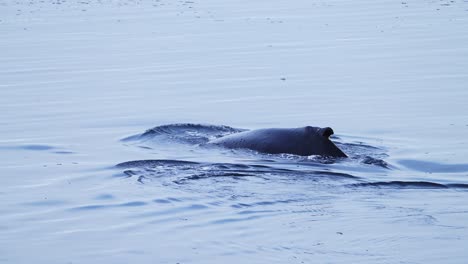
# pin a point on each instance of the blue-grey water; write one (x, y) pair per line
(81, 80)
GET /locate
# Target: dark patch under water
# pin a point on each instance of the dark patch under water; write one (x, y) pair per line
(37, 147)
(34, 147)
(433, 167)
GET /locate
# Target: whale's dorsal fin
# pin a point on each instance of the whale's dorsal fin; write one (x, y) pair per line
(326, 132)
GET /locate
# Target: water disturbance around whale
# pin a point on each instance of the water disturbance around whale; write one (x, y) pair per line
(76, 77)
(360, 170)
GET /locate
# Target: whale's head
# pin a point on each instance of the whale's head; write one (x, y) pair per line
(320, 143)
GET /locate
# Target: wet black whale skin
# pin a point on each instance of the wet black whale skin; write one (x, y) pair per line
(303, 141)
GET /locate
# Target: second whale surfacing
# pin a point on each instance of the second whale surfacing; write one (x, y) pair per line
(303, 141)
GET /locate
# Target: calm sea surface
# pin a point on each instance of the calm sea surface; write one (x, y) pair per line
(78, 77)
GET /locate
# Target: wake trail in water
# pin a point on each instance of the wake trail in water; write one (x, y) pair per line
(183, 172)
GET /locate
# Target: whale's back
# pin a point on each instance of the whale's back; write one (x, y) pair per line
(304, 141)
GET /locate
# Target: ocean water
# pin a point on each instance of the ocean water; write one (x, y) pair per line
(81, 81)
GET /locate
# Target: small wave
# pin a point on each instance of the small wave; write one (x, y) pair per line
(355, 145)
(217, 174)
(410, 185)
(374, 161)
(185, 133)
(263, 203)
(107, 206)
(154, 163)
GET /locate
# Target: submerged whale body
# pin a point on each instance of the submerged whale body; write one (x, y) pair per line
(303, 141)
